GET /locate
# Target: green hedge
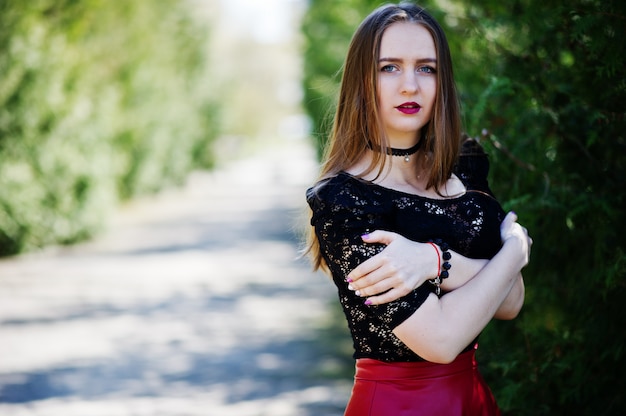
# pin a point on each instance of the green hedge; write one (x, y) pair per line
(554, 104)
(99, 101)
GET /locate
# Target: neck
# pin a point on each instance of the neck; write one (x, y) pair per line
(408, 176)
(396, 168)
(405, 153)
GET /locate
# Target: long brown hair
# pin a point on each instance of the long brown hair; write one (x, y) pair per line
(357, 124)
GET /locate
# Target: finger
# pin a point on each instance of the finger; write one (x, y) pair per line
(393, 294)
(509, 219)
(379, 236)
(375, 289)
(508, 224)
(368, 266)
(373, 275)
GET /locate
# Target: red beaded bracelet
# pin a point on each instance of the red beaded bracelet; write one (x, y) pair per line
(438, 258)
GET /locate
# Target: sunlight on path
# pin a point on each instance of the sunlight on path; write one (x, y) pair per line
(192, 304)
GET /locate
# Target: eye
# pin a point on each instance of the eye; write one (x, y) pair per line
(388, 68)
(427, 69)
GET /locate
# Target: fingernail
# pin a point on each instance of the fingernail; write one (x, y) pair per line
(349, 280)
(350, 287)
(368, 302)
(365, 236)
(358, 293)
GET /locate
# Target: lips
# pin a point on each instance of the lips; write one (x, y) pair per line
(409, 108)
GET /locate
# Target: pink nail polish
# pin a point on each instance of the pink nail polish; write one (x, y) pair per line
(368, 302)
(365, 236)
(349, 280)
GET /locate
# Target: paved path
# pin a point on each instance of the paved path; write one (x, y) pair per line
(193, 303)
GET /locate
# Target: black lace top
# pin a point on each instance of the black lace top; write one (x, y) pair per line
(346, 207)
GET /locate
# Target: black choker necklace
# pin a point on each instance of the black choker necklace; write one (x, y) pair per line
(404, 152)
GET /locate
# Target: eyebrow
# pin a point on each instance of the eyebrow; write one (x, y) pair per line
(421, 61)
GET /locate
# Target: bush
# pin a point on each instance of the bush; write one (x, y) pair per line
(99, 101)
(554, 108)
(327, 27)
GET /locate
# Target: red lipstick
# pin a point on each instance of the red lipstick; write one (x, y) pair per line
(409, 108)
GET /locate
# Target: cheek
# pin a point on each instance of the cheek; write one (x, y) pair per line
(432, 85)
(382, 87)
(430, 90)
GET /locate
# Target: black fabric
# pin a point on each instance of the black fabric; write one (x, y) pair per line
(345, 207)
(473, 166)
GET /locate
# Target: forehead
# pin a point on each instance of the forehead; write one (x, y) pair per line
(407, 40)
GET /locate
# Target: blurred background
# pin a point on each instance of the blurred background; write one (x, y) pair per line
(153, 162)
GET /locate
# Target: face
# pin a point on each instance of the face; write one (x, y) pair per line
(407, 82)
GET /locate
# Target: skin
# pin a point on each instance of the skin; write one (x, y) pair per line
(478, 290)
(409, 68)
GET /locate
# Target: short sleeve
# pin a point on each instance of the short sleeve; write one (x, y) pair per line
(343, 210)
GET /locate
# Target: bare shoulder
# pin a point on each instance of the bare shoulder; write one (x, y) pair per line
(454, 187)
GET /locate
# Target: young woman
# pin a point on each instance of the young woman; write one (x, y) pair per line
(421, 253)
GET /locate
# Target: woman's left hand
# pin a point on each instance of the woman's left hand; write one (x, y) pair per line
(398, 269)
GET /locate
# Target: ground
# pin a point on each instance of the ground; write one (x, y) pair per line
(194, 302)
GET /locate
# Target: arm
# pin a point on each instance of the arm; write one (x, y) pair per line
(405, 265)
(512, 304)
(442, 327)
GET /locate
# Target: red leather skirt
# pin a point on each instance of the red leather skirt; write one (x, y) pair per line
(420, 388)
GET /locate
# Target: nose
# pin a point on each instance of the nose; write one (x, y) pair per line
(410, 83)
